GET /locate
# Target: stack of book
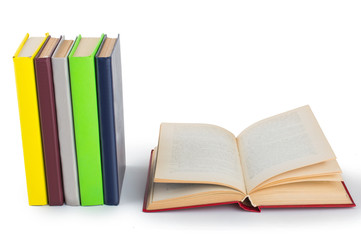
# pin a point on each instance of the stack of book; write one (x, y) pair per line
(71, 116)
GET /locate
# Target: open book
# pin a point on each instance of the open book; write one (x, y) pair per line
(282, 161)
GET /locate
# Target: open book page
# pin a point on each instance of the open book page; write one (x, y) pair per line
(326, 178)
(174, 195)
(170, 195)
(165, 191)
(282, 143)
(326, 169)
(302, 193)
(198, 153)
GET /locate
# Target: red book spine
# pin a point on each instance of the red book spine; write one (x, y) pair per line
(49, 130)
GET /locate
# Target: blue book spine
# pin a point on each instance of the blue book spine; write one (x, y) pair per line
(107, 130)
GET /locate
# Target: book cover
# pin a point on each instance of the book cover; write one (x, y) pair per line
(64, 111)
(29, 118)
(48, 123)
(86, 126)
(111, 121)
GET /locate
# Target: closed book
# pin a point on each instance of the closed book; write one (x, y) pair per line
(29, 118)
(111, 121)
(85, 115)
(64, 111)
(48, 122)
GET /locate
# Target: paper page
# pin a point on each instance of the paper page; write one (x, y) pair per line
(282, 143)
(198, 153)
(302, 193)
(164, 191)
(324, 178)
(325, 168)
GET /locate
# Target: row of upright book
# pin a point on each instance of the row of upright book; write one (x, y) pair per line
(71, 116)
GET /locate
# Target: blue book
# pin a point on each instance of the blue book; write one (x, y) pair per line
(111, 120)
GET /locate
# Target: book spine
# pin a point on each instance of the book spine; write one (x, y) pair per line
(66, 131)
(49, 130)
(30, 130)
(107, 130)
(118, 111)
(86, 128)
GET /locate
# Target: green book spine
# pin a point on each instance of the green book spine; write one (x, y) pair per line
(86, 126)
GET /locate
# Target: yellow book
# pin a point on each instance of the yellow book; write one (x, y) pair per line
(29, 118)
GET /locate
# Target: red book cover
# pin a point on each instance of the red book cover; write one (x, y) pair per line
(240, 204)
(48, 122)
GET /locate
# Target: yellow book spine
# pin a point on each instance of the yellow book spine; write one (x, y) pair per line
(30, 126)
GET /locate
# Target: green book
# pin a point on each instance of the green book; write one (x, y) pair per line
(85, 114)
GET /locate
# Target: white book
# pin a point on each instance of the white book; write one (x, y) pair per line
(65, 121)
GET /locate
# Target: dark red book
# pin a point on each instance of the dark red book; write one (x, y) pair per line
(242, 205)
(48, 121)
(282, 161)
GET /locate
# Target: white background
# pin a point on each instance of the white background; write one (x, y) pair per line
(229, 63)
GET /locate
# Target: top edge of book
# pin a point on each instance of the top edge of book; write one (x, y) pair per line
(107, 48)
(64, 48)
(86, 47)
(30, 46)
